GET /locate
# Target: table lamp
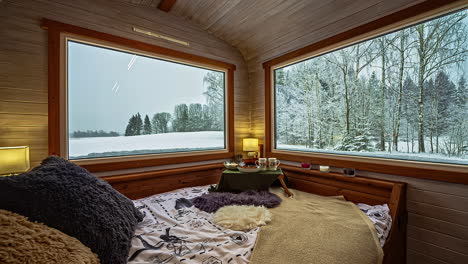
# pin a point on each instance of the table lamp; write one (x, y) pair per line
(251, 146)
(14, 160)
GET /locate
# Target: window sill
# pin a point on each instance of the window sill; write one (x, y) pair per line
(423, 170)
(133, 162)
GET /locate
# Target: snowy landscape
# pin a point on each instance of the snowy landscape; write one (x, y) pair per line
(403, 95)
(127, 104)
(145, 144)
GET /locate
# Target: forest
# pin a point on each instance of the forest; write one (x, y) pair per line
(185, 118)
(401, 93)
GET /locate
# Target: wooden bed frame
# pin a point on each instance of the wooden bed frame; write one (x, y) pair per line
(356, 189)
(360, 190)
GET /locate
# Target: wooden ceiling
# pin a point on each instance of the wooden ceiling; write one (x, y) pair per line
(262, 29)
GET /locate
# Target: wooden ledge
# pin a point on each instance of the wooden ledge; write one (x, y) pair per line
(160, 173)
(341, 177)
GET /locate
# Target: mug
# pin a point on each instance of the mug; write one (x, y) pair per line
(348, 172)
(273, 164)
(261, 163)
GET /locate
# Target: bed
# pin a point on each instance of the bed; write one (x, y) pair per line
(171, 233)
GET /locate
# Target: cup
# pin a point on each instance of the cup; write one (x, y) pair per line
(349, 172)
(305, 165)
(261, 163)
(273, 164)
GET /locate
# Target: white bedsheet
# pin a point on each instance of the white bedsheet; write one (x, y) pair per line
(173, 231)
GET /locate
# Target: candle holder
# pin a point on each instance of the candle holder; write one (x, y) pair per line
(324, 168)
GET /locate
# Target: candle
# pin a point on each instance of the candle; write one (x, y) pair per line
(324, 168)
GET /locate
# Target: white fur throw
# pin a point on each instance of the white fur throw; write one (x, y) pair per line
(242, 217)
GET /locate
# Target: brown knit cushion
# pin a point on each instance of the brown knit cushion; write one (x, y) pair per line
(23, 241)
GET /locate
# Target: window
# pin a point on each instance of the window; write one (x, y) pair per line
(121, 103)
(117, 103)
(402, 96)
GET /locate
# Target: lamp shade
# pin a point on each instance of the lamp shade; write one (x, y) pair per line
(14, 160)
(250, 144)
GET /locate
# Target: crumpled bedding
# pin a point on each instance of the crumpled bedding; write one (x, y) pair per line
(174, 231)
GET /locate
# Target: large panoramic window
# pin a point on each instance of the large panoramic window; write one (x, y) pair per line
(402, 96)
(122, 103)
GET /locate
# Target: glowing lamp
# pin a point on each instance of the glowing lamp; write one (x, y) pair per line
(14, 160)
(250, 145)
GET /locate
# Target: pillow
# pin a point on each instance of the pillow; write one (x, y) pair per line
(22, 241)
(380, 216)
(211, 202)
(67, 197)
(242, 217)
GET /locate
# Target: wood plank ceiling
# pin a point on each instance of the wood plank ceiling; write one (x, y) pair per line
(261, 27)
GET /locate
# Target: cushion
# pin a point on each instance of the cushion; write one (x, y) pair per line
(242, 217)
(211, 202)
(22, 241)
(380, 217)
(67, 197)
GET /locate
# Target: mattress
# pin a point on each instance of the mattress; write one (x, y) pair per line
(174, 231)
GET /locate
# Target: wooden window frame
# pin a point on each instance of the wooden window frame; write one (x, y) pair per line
(426, 170)
(56, 30)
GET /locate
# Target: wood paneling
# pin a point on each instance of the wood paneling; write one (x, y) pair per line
(435, 251)
(24, 49)
(439, 226)
(437, 219)
(141, 185)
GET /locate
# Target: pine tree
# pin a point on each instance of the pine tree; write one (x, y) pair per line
(147, 126)
(138, 124)
(130, 130)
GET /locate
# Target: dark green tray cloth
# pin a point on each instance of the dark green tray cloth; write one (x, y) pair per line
(236, 181)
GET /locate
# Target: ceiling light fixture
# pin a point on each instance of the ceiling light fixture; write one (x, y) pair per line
(149, 33)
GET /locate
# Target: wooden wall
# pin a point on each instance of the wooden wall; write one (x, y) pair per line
(437, 220)
(23, 58)
(140, 185)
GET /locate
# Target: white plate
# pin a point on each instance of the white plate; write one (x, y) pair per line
(248, 169)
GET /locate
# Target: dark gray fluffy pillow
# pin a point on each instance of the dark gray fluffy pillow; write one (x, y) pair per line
(67, 197)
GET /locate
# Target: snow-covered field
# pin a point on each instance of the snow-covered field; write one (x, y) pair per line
(430, 157)
(156, 143)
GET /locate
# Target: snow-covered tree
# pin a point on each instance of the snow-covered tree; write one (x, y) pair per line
(147, 129)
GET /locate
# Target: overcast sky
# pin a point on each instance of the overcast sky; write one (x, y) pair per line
(106, 87)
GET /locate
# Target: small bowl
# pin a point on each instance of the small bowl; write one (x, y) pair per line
(230, 165)
(248, 169)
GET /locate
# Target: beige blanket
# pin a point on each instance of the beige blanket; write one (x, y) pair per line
(315, 229)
